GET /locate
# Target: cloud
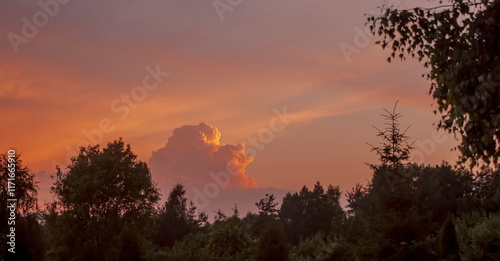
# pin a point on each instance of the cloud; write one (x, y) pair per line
(194, 154)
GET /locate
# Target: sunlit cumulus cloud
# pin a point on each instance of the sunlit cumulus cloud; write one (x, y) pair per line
(194, 156)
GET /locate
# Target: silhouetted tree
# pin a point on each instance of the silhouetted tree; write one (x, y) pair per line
(236, 212)
(177, 218)
(394, 149)
(487, 190)
(267, 206)
(319, 247)
(229, 241)
(29, 239)
(26, 189)
(443, 190)
(360, 206)
(450, 250)
(268, 211)
(309, 211)
(458, 41)
(479, 236)
(131, 249)
(219, 216)
(102, 193)
(273, 243)
(192, 247)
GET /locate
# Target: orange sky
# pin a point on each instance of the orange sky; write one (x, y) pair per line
(86, 58)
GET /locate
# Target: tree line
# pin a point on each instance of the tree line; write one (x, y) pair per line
(107, 207)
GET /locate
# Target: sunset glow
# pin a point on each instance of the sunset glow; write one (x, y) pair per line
(192, 93)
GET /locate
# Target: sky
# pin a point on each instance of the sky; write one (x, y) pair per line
(232, 98)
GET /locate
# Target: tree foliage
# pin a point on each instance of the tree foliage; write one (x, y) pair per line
(487, 184)
(28, 231)
(267, 206)
(479, 236)
(192, 247)
(26, 189)
(102, 193)
(307, 212)
(448, 241)
(273, 242)
(176, 219)
(229, 241)
(105, 209)
(394, 148)
(458, 41)
(318, 247)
